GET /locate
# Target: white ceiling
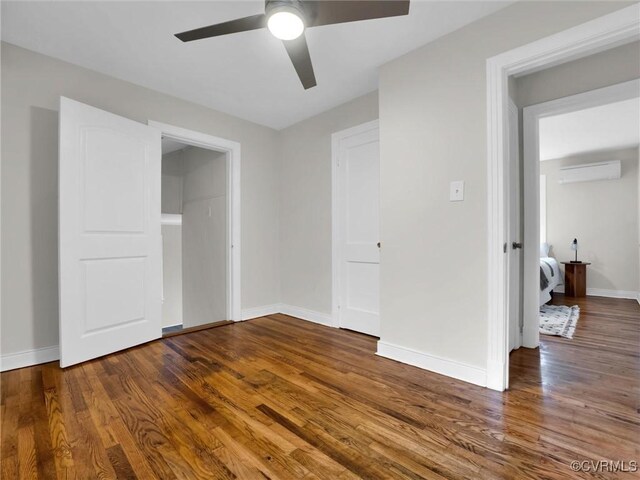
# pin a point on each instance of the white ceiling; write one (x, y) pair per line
(608, 127)
(247, 74)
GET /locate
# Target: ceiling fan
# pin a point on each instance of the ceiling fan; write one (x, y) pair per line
(288, 19)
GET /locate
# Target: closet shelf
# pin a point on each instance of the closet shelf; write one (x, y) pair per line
(171, 219)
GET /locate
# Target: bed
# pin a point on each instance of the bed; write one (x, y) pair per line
(550, 276)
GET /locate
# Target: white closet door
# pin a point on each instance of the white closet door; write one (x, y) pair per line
(359, 199)
(110, 243)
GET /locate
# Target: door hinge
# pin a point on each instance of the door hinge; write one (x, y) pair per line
(504, 248)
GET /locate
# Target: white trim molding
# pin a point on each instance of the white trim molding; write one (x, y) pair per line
(257, 312)
(298, 312)
(617, 28)
(233, 153)
(310, 315)
(543, 209)
(442, 366)
(27, 358)
(605, 292)
(169, 326)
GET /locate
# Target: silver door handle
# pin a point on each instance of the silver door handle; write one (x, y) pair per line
(515, 245)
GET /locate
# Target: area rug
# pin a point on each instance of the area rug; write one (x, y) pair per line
(559, 320)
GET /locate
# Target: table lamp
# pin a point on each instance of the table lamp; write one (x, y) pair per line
(574, 247)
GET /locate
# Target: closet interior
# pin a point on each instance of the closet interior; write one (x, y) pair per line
(194, 236)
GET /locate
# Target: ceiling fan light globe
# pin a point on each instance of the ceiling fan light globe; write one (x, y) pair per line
(285, 24)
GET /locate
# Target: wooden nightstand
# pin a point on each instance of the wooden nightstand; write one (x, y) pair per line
(575, 279)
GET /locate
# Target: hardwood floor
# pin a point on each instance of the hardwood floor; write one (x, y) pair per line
(278, 397)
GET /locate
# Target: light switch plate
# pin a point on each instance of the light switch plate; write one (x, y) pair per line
(456, 192)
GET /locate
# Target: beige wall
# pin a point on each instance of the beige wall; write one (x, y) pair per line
(616, 65)
(31, 86)
(171, 275)
(602, 215)
(305, 202)
(172, 179)
(433, 131)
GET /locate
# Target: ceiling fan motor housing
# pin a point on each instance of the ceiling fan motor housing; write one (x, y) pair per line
(293, 6)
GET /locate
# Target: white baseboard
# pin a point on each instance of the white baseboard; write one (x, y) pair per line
(257, 312)
(28, 358)
(310, 315)
(443, 366)
(298, 312)
(603, 292)
(600, 292)
(172, 325)
(495, 376)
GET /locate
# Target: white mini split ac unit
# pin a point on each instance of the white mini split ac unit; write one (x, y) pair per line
(590, 172)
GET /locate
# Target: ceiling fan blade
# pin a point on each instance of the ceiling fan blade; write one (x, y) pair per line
(233, 26)
(299, 53)
(327, 12)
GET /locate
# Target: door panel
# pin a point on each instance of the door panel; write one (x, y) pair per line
(104, 212)
(110, 243)
(359, 231)
(514, 256)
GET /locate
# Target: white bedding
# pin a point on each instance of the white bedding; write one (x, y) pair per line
(551, 269)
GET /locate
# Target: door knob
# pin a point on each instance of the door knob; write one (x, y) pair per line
(515, 245)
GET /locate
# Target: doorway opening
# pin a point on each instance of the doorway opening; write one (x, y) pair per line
(578, 227)
(581, 201)
(356, 228)
(200, 230)
(194, 237)
(612, 30)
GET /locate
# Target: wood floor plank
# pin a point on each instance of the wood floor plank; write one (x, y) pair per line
(281, 398)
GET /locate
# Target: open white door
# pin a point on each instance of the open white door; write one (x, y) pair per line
(358, 197)
(110, 243)
(514, 243)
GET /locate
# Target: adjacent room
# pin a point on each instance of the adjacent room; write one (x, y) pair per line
(588, 198)
(319, 239)
(579, 194)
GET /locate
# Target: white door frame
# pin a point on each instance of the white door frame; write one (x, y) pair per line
(336, 138)
(532, 202)
(617, 28)
(232, 151)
